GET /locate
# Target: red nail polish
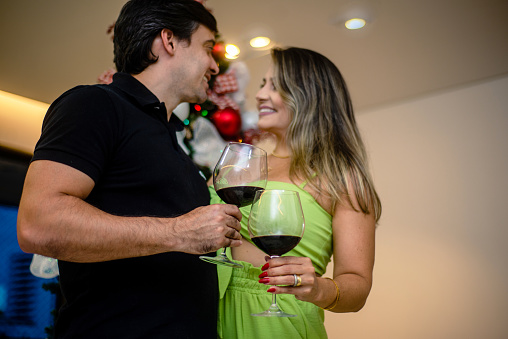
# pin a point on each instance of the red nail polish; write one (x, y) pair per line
(265, 267)
(264, 280)
(271, 289)
(264, 274)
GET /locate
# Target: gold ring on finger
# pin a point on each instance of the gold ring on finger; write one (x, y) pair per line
(298, 280)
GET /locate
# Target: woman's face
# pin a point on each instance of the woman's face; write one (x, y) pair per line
(274, 115)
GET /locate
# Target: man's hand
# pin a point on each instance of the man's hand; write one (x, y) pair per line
(206, 229)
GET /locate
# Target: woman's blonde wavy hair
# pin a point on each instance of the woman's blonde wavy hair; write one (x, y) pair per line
(326, 146)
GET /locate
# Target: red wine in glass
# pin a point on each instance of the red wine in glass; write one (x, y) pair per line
(276, 245)
(240, 172)
(240, 196)
(276, 226)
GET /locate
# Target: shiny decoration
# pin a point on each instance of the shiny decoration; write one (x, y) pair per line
(228, 123)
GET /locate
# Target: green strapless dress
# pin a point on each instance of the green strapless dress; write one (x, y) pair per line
(241, 294)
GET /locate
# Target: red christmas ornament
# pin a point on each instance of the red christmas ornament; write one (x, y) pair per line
(228, 122)
(219, 51)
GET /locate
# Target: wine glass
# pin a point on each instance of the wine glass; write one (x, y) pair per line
(276, 225)
(240, 172)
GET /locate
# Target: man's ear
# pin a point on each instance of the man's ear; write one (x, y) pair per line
(168, 41)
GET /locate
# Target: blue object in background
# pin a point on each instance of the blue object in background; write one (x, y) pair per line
(25, 307)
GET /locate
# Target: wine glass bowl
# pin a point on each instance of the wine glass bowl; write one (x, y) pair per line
(240, 172)
(276, 225)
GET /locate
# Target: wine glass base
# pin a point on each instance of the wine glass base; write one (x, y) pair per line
(220, 260)
(273, 314)
(273, 311)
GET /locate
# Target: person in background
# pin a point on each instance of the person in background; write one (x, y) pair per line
(111, 195)
(304, 103)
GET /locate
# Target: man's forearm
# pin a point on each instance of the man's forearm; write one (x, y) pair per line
(70, 229)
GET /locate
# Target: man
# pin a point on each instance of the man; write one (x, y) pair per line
(111, 194)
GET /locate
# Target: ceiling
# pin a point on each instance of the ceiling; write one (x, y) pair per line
(409, 48)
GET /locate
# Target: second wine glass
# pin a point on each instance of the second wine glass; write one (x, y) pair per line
(240, 172)
(276, 226)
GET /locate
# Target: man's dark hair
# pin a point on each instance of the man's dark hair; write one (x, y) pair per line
(140, 21)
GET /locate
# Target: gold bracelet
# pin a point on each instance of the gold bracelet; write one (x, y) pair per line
(334, 303)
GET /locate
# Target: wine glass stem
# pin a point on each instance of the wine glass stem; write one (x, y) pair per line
(274, 307)
(274, 301)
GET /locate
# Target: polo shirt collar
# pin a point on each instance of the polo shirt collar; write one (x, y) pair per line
(134, 89)
(143, 96)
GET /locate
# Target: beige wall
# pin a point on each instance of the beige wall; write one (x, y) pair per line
(20, 121)
(440, 164)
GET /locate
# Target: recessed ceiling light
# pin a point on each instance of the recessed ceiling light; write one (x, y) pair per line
(260, 42)
(232, 51)
(230, 57)
(355, 23)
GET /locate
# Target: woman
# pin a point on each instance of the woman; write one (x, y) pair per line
(304, 103)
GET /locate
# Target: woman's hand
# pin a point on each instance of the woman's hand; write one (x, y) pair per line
(280, 272)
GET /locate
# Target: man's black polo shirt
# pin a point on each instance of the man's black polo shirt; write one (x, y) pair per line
(120, 137)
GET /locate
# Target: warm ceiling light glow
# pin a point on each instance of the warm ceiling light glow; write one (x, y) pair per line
(230, 57)
(20, 121)
(355, 23)
(232, 51)
(260, 42)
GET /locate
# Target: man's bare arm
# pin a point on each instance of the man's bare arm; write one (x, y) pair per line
(55, 221)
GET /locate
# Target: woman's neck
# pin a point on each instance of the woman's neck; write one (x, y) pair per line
(281, 150)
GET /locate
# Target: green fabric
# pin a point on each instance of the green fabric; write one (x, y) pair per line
(245, 295)
(241, 294)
